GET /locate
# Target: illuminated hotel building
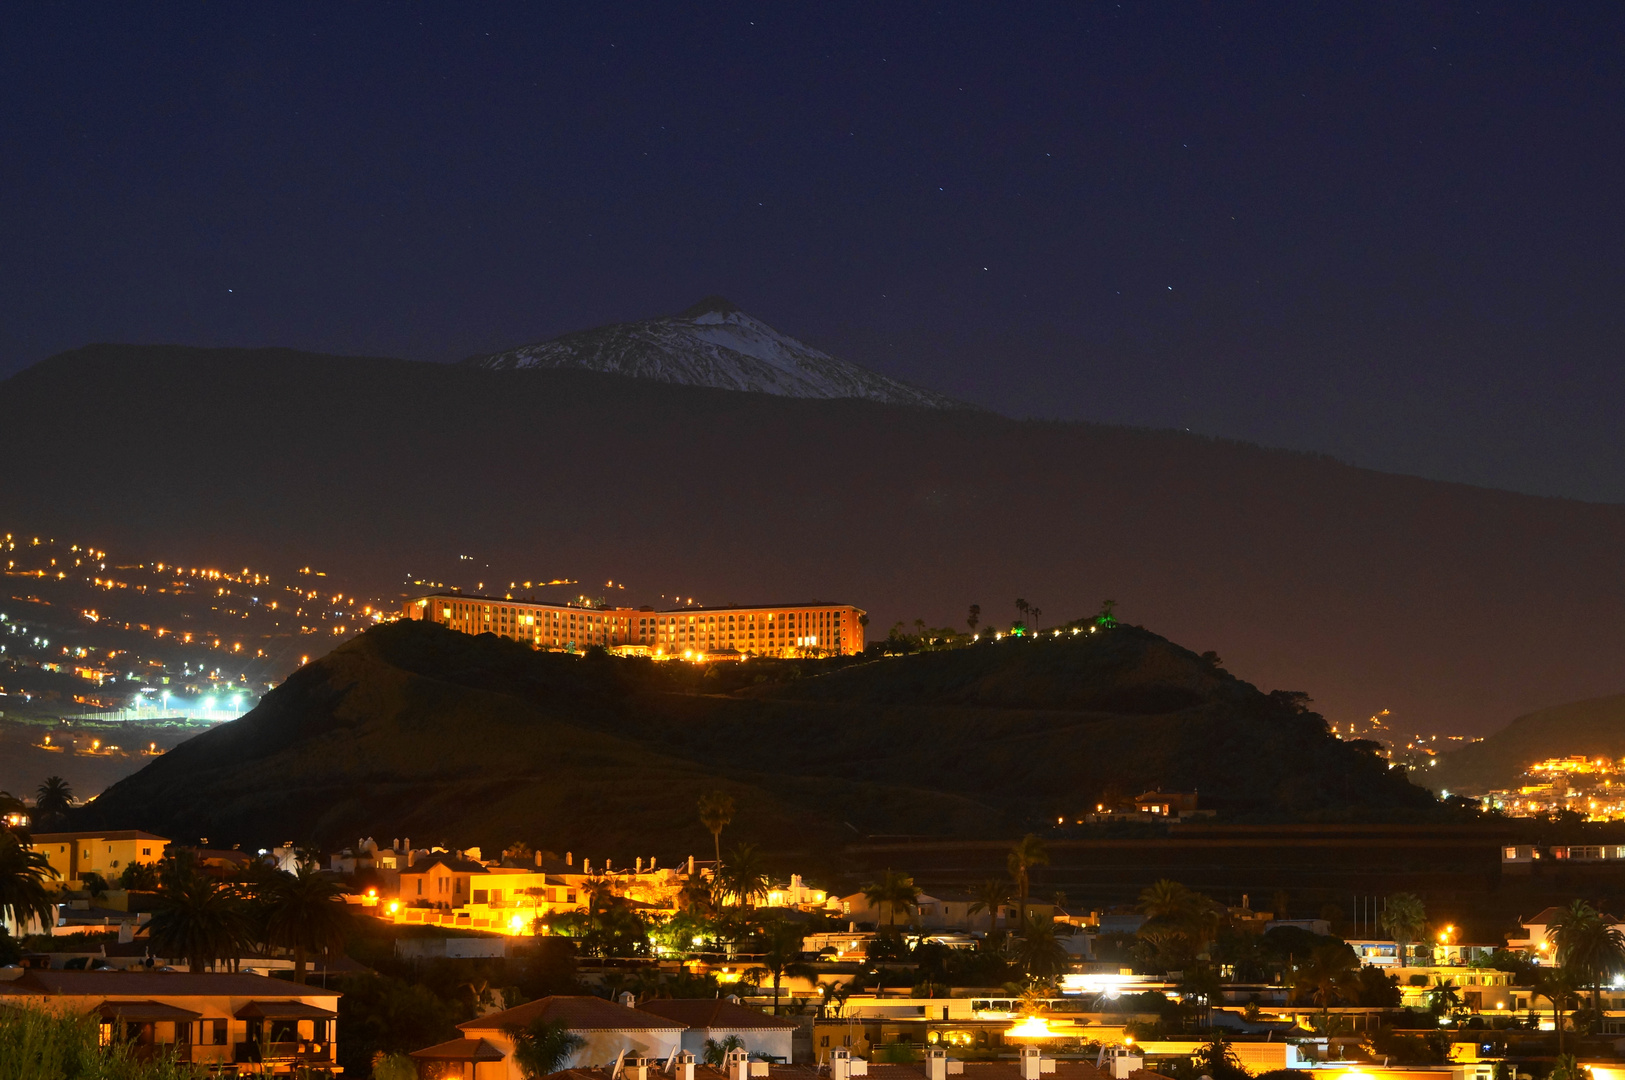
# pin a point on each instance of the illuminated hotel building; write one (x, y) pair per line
(723, 632)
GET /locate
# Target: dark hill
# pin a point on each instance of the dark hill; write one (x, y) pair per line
(1444, 603)
(1593, 727)
(416, 730)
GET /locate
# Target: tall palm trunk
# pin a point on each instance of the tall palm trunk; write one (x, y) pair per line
(299, 964)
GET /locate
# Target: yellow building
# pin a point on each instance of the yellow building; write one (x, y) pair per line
(74, 854)
(441, 890)
(782, 630)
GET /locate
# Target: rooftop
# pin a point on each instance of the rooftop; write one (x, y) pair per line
(150, 984)
(576, 1012)
(713, 1013)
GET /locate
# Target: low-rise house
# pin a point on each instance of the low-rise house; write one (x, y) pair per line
(74, 854)
(609, 1031)
(715, 1019)
(1536, 940)
(206, 1019)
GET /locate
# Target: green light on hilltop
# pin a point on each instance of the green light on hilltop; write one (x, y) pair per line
(1106, 619)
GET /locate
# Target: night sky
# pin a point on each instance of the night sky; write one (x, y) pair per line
(1393, 234)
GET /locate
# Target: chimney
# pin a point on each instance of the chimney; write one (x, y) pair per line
(638, 869)
(395, 844)
(635, 1068)
(569, 858)
(1031, 1062)
(627, 998)
(411, 858)
(840, 1064)
(685, 1065)
(651, 864)
(586, 865)
(691, 866)
(936, 1064)
(608, 866)
(538, 858)
(737, 1067)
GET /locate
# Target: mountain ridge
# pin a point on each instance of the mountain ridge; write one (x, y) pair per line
(1592, 726)
(713, 343)
(1448, 604)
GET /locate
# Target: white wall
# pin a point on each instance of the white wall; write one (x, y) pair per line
(774, 1041)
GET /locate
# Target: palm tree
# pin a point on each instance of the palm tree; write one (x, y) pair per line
(1444, 998)
(745, 878)
(974, 617)
(1404, 918)
(894, 891)
(23, 896)
(698, 896)
(782, 956)
(1557, 986)
(598, 894)
(544, 1047)
(834, 996)
(990, 896)
(1587, 946)
(1040, 953)
(198, 919)
(716, 811)
(1331, 970)
(1022, 608)
(1028, 853)
(53, 798)
(307, 913)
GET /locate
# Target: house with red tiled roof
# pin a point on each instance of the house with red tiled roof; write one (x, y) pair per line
(608, 1030)
(214, 1019)
(715, 1019)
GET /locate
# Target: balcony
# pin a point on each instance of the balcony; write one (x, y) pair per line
(303, 1052)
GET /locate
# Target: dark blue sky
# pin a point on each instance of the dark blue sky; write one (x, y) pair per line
(1393, 234)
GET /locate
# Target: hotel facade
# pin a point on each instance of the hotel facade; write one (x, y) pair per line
(780, 630)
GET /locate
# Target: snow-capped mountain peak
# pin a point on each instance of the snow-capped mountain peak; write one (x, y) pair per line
(714, 344)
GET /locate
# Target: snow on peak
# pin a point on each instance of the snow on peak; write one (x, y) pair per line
(714, 344)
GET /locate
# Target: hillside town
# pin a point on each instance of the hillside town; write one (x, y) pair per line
(392, 959)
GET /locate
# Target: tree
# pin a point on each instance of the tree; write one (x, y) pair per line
(1557, 986)
(1039, 952)
(23, 896)
(95, 885)
(990, 896)
(1028, 853)
(1106, 620)
(1444, 998)
(745, 877)
(197, 919)
(1331, 971)
(53, 798)
(1404, 918)
(1587, 946)
(782, 956)
(716, 811)
(716, 1053)
(892, 891)
(974, 617)
(543, 1047)
(307, 913)
(139, 876)
(1023, 608)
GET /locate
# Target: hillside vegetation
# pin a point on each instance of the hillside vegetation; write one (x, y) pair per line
(413, 729)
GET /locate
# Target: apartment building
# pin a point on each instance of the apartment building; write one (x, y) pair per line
(780, 630)
(75, 854)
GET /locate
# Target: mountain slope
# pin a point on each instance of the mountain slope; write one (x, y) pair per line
(1592, 727)
(418, 730)
(713, 344)
(1443, 603)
